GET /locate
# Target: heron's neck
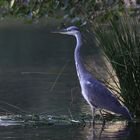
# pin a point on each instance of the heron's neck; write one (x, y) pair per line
(81, 70)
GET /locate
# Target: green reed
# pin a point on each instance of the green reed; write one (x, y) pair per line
(120, 41)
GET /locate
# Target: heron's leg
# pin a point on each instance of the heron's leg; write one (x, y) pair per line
(93, 115)
(102, 117)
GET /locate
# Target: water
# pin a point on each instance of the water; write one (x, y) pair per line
(113, 131)
(37, 74)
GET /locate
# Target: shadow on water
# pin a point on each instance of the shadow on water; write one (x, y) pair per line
(31, 59)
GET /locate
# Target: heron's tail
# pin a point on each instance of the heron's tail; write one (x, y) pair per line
(125, 112)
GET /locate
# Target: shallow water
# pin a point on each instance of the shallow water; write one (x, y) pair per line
(111, 131)
(37, 74)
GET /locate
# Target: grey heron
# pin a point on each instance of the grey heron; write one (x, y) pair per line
(94, 92)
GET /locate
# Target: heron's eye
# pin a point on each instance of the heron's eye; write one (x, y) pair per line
(68, 29)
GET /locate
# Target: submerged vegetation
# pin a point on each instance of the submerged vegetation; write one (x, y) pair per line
(116, 30)
(39, 120)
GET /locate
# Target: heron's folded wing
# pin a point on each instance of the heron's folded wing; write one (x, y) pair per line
(100, 96)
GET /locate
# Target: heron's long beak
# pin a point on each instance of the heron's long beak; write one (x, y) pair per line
(63, 31)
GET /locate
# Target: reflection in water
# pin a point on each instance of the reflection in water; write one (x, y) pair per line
(112, 130)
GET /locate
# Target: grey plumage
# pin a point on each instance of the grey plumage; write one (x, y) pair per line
(95, 93)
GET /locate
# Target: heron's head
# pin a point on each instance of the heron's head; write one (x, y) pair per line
(72, 30)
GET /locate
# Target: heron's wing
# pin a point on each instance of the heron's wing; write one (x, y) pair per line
(100, 96)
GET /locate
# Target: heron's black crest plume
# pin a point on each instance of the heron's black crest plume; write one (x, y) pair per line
(72, 28)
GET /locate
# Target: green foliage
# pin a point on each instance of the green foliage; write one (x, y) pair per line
(120, 42)
(76, 10)
(79, 10)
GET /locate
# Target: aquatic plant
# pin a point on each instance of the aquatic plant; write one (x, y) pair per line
(120, 41)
